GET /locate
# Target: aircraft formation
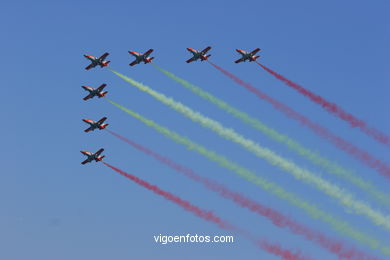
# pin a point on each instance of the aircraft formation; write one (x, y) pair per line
(144, 57)
(329, 188)
(139, 58)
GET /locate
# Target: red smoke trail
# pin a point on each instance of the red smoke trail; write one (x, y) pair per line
(274, 216)
(332, 108)
(344, 145)
(209, 216)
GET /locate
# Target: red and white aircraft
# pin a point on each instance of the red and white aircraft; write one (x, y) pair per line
(95, 92)
(139, 57)
(95, 124)
(247, 55)
(92, 156)
(97, 61)
(198, 54)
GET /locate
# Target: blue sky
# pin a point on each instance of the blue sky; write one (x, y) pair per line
(55, 208)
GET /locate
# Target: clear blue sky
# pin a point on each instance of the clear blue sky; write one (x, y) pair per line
(52, 207)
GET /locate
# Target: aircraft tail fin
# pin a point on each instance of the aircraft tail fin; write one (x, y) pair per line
(254, 58)
(207, 56)
(105, 63)
(103, 94)
(100, 158)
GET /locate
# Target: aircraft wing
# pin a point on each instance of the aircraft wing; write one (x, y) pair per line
(85, 161)
(190, 60)
(206, 50)
(148, 52)
(88, 129)
(102, 86)
(255, 51)
(88, 97)
(99, 152)
(134, 63)
(239, 60)
(102, 120)
(90, 66)
(104, 56)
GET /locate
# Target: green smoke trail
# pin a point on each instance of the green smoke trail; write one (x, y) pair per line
(295, 146)
(313, 211)
(343, 196)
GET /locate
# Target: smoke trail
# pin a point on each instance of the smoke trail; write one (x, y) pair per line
(211, 217)
(277, 218)
(313, 211)
(342, 144)
(332, 108)
(284, 139)
(344, 197)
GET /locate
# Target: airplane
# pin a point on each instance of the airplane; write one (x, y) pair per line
(198, 54)
(139, 57)
(95, 92)
(93, 156)
(247, 55)
(95, 124)
(97, 61)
